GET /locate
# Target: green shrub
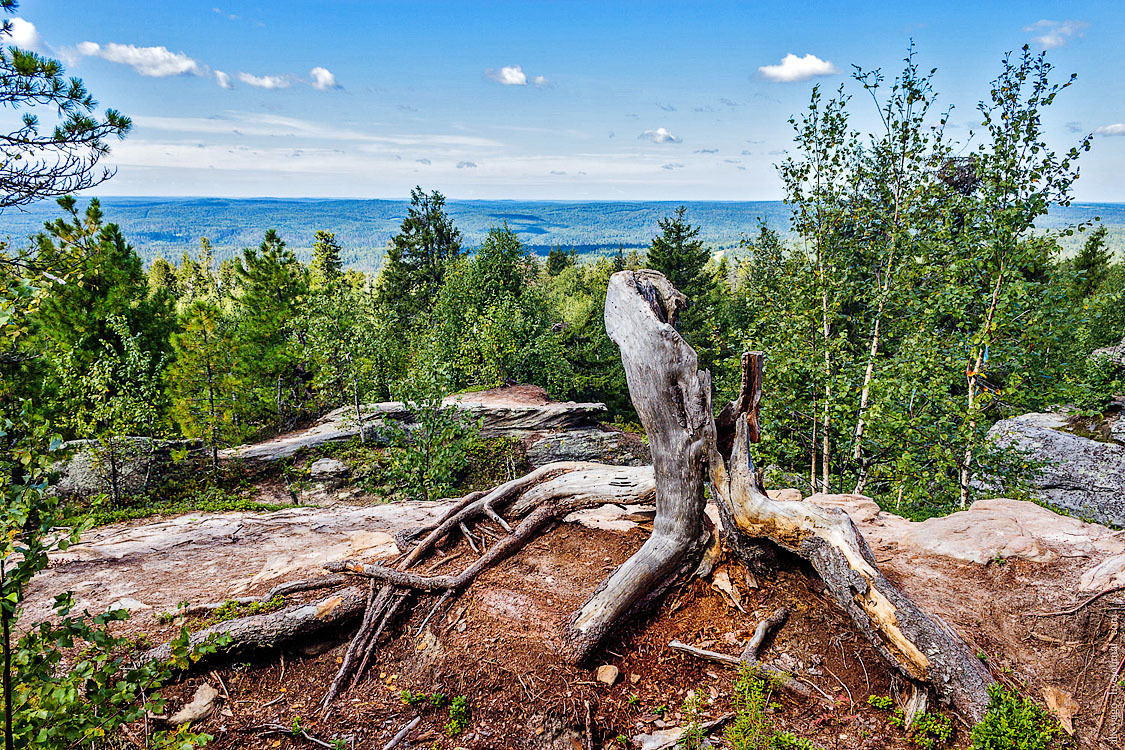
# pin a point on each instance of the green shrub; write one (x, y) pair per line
(458, 716)
(930, 731)
(1015, 723)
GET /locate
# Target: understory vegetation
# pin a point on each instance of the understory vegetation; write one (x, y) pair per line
(915, 307)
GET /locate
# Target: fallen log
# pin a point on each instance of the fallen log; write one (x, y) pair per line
(275, 629)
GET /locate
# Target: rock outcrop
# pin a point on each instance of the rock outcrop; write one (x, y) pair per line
(141, 464)
(511, 410)
(589, 444)
(1079, 475)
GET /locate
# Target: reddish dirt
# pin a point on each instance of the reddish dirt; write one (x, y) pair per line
(508, 395)
(498, 645)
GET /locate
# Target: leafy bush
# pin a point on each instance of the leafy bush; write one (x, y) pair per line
(752, 727)
(458, 716)
(1015, 723)
(929, 731)
(423, 461)
(87, 701)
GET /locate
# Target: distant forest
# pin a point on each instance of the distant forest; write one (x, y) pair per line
(170, 226)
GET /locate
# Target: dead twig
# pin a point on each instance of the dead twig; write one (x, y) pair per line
(398, 738)
(1081, 605)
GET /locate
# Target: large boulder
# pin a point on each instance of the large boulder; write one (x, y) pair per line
(590, 444)
(1079, 475)
(517, 410)
(141, 464)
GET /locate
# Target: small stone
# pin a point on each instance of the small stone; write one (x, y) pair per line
(328, 468)
(607, 674)
(127, 604)
(634, 678)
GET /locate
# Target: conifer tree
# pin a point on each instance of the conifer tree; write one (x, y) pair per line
(1092, 264)
(418, 256)
(325, 268)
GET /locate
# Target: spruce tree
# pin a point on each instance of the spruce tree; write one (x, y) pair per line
(418, 256)
(679, 254)
(325, 268)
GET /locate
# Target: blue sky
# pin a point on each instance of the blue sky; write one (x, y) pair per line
(537, 100)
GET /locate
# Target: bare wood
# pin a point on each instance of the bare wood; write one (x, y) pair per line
(269, 631)
(398, 738)
(667, 390)
(762, 631)
(782, 678)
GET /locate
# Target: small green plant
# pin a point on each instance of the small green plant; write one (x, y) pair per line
(881, 702)
(437, 700)
(338, 744)
(788, 741)
(232, 609)
(634, 700)
(931, 731)
(692, 738)
(296, 729)
(660, 710)
(751, 728)
(458, 716)
(1015, 723)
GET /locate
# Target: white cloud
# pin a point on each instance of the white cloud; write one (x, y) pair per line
(1054, 34)
(24, 34)
(660, 135)
(425, 162)
(673, 165)
(322, 79)
(793, 68)
(264, 82)
(466, 165)
(509, 75)
(155, 62)
(222, 79)
(1118, 128)
(540, 80)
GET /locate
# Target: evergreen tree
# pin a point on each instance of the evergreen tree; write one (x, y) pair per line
(679, 254)
(325, 268)
(161, 277)
(75, 321)
(418, 256)
(1092, 264)
(202, 380)
(558, 260)
(271, 288)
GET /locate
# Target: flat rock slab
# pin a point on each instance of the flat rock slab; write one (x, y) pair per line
(515, 410)
(151, 567)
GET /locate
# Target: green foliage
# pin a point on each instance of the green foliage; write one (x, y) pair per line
(1015, 723)
(1092, 264)
(86, 703)
(458, 716)
(930, 731)
(424, 459)
(418, 256)
(437, 700)
(881, 702)
(693, 736)
(752, 727)
(232, 610)
(325, 268)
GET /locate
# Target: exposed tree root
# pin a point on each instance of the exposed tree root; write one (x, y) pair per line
(542, 497)
(284, 589)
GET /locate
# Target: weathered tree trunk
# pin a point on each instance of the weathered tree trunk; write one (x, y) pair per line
(270, 631)
(668, 392)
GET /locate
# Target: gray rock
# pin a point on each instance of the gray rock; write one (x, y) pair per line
(1114, 354)
(1081, 476)
(499, 414)
(615, 448)
(142, 464)
(328, 468)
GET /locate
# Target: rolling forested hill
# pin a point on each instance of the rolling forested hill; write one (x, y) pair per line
(169, 226)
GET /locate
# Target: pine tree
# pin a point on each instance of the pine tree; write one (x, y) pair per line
(325, 268)
(1092, 264)
(418, 256)
(679, 254)
(202, 381)
(271, 288)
